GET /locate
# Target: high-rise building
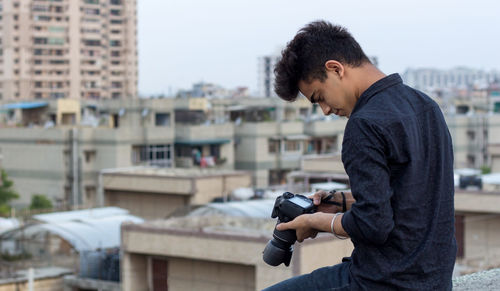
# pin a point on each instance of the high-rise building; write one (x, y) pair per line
(457, 78)
(266, 75)
(68, 49)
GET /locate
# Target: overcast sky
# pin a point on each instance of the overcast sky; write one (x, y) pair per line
(186, 41)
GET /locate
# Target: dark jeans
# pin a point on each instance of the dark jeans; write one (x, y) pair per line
(328, 278)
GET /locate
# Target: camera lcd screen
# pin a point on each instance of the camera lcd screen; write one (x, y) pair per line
(302, 203)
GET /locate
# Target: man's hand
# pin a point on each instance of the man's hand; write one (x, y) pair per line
(302, 226)
(337, 197)
(323, 207)
(308, 225)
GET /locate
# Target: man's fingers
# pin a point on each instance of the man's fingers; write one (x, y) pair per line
(318, 196)
(283, 226)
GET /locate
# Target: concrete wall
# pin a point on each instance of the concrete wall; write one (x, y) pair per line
(50, 284)
(211, 187)
(323, 164)
(151, 196)
(189, 274)
(146, 205)
(35, 160)
(148, 183)
(326, 252)
(482, 240)
(217, 250)
(134, 272)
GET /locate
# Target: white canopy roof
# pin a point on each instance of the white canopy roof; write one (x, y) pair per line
(84, 229)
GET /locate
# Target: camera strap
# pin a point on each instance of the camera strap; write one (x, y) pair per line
(326, 200)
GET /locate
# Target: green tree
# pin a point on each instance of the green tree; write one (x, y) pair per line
(485, 170)
(40, 201)
(7, 193)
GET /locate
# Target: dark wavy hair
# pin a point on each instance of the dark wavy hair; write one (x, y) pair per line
(305, 56)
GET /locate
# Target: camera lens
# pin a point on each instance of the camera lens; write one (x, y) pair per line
(279, 249)
(274, 255)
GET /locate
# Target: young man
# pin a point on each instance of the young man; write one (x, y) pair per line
(398, 154)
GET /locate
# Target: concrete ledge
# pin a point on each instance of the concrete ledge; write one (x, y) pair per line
(485, 280)
(93, 284)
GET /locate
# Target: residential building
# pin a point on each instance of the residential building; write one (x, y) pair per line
(427, 79)
(201, 137)
(325, 170)
(266, 75)
(222, 251)
(210, 90)
(68, 49)
(62, 159)
(43, 279)
(476, 221)
(272, 136)
(470, 139)
(493, 148)
(264, 136)
(154, 193)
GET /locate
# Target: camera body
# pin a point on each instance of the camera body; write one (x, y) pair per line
(286, 207)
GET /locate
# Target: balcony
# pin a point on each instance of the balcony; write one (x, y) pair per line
(202, 134)
(318, 128)
(271, 129)
(328, 163)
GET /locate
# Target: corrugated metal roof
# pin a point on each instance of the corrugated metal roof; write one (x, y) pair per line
(251, 208)
(25, 105)
(89, 229)
(93, 213)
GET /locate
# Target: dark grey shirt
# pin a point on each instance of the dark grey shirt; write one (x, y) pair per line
(398, 154)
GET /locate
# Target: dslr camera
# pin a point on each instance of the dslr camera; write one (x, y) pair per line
(286, 207)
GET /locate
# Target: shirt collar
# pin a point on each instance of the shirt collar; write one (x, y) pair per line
(376, 87)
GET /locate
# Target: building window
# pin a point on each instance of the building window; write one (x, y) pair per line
(274, 146)
(162, 119)
(277, 177)
(292, 146)
(155, 155)
(471, 135)
(89, 156)
(331, 145)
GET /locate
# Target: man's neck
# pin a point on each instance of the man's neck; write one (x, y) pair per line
(366, 75)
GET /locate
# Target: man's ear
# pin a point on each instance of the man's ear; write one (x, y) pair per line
(335, 67)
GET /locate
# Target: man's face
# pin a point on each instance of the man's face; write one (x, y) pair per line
(333, 94)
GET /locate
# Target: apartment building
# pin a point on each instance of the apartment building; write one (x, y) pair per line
(493, 147)
(53, 49)
(203, 136)
(271, 138)
(458, 78)
(470, 139)
(264, 136)
(60, 149)
(266, 75)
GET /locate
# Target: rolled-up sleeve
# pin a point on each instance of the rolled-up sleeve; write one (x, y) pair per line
(364, 154)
